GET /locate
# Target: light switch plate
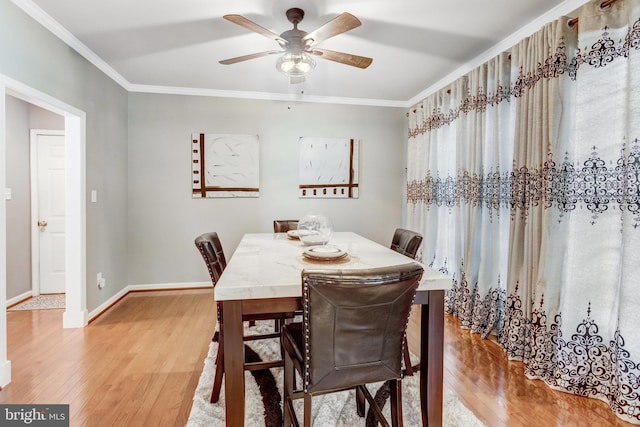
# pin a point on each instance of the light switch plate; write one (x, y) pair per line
(7, 194)
(94, 196)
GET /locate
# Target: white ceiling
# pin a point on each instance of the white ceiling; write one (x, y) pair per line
(173, 46)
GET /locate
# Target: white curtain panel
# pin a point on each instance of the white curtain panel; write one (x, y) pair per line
(524, 178)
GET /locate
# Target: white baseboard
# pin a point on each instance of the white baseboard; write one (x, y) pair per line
(80, 319)
(105, 305)
(19, 298)
(166, 286)
(147, 287)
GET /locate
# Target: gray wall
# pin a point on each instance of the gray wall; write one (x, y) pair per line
(164, 218)
(21, 118)
(141, 230)
(32, 55)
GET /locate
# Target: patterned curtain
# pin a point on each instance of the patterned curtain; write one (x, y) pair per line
(524, 178)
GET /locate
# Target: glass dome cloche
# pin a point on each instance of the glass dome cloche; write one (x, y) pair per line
(315, 229)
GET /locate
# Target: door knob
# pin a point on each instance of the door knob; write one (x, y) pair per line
(42, 223)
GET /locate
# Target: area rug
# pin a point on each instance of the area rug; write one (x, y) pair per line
(41, 302)
(263, 394)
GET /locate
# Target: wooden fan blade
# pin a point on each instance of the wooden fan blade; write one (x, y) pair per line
(250, 25)
(247, 57)
(343, 58)
(338, 25)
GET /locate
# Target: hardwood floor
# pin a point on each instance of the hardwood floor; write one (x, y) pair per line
(499, 394)
(136, 365)
(139, 364)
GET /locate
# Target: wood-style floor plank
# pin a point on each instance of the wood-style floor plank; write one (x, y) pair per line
(139, 364)
(499, 394)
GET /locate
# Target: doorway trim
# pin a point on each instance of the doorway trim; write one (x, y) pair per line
(75, 314)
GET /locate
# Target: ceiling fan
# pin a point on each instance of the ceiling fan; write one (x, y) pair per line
(297, 46)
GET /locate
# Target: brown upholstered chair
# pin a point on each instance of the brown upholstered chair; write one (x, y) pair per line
(284, 225)
(352, 334)
(211, 250)
(406, 242)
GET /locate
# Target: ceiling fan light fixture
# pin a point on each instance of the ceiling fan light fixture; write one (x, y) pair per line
(295, 64)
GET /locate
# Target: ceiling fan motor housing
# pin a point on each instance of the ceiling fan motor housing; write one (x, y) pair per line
(295, 42)
(294, 37)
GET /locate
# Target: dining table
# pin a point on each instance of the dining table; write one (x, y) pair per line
(264, 276)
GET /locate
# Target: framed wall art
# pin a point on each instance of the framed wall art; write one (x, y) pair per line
(225, 165)
(328, 168)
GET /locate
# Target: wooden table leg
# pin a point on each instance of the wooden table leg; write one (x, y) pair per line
(233, 362)
(431, 359)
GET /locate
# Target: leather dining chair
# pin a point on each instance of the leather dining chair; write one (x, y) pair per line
(213, 255)
(351, 334)
(284, 225)
(406, 242)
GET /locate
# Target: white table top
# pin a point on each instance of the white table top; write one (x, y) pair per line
(268, 265)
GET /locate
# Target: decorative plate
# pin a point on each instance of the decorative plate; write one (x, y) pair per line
(324, 253)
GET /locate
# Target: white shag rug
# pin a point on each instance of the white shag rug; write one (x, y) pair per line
(41, 302)
(335, 409)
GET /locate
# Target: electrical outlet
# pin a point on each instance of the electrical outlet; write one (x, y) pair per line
(101, 281)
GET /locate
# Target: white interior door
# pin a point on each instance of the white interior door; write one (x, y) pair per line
(51, 212)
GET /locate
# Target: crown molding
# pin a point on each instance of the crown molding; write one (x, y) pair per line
(267, 96)
(566, 7)
(63, 34)
(39, 15)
